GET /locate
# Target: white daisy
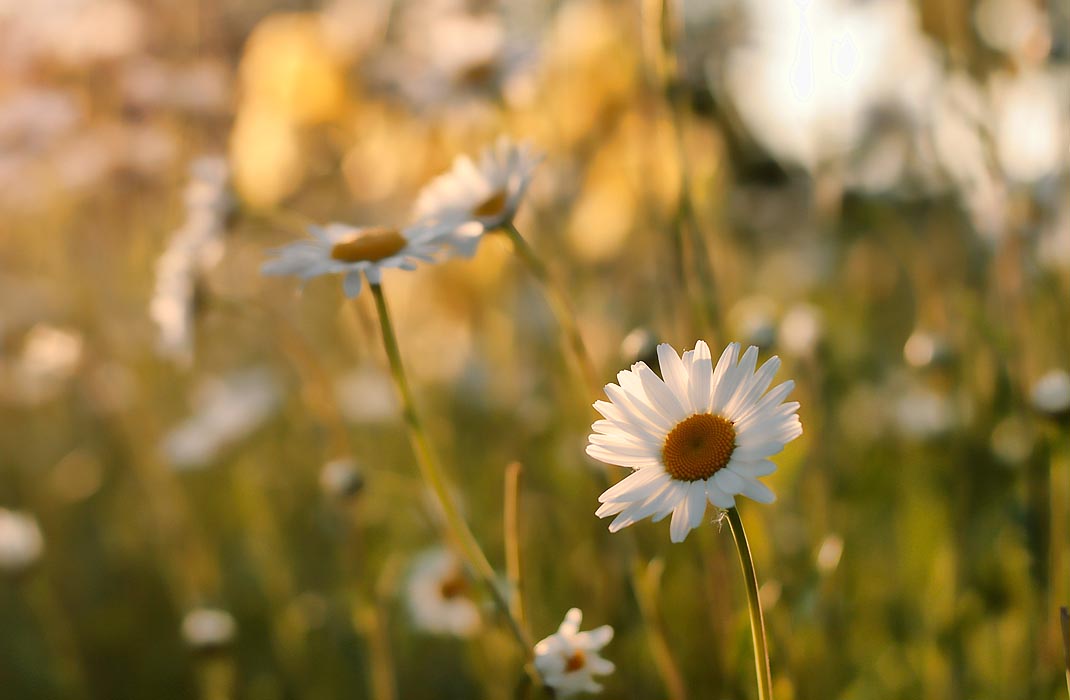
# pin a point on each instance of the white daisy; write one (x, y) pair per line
(569, 659)
(472, 198)
(21, 541)
(356, 252)
(702, 433)
(440, 596)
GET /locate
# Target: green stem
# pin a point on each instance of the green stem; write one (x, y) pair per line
(645, 596)
(754, 606)
(433, 475)
(563, 311)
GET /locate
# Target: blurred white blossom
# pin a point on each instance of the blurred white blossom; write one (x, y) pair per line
(21, 542)
(439, 595)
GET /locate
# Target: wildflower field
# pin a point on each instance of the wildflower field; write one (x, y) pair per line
(405, 349)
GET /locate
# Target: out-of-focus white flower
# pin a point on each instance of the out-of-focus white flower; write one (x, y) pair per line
(753, 319)
(473, 198)
(921, 412)
(357, 252)
(225, 411)
(21, 542)
(439, 596)
(194, 248)
(1031, 112)
(1051, 393)
(923, 349)
(829, 553)
(812, 72)
(702, 433)
(50, 356)
(568, 660)
(1013, 440)
(208, 629)
(340, 478)
(1011, 26)
(75, 32)
(800, 330)
(367, 395)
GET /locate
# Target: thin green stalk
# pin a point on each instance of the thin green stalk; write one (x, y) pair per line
(668, 669)
(1064, 623)
(566, 317)
(436, 479)
(754, 606)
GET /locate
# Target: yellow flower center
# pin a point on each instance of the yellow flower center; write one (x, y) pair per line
(576, 661)
(698, 447)
(369, 245)
(453, 586)
(493, 205)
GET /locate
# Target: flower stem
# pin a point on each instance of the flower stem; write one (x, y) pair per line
(645, 595)
(563, 311)
(433, 475)
(754, 606)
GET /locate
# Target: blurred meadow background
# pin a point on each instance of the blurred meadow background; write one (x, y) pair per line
(206, 490)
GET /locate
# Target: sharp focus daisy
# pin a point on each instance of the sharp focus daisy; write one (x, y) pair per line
(702, 433)
(440, 596)
(356, 252)
(568, 660)
(474, 198)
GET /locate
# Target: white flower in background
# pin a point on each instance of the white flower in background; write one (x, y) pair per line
(474, 198)
(1051, 393)
(194, 248)
(1030, 129)
(801, 329)
(701, 434)
(341, 478)
(207, 629)
(357, 252)
(50, 357)
(225, 411)
(811, 74)
(568, 660)
(920, 412)
(21, 542)
(439, 595)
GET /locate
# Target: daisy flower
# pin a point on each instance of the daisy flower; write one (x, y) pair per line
(473, 198)
(703, 433)
(440, 596)
(356, 252)
(569, 659)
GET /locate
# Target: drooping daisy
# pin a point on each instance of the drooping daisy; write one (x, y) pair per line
(568, 660)
(474, 198)
(356, 252)
(704, 433)
(440, 596)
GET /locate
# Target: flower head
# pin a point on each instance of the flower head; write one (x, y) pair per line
(473, 198)
(356, 252)
(569, 659)
(21, 542)
(439, 596)
(701, 433)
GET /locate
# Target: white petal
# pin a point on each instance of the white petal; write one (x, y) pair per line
(700, 374)
(660, 395)
(674, 373)
(757, 491)
(717, 496)
(352, 283)
(637, 486)
(751, 389)
(696, 496)
(723, 386)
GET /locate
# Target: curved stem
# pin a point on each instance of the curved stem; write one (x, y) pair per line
(645, 596)
(433, 475)
(563, 311)
(754, 606)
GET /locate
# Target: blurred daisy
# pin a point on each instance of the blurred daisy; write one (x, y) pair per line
(702, 433)
(568, 660)
(356, 252)
(208, 629)
(1051, 393)
(439, 596)
(474, 198)
(21, 542)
